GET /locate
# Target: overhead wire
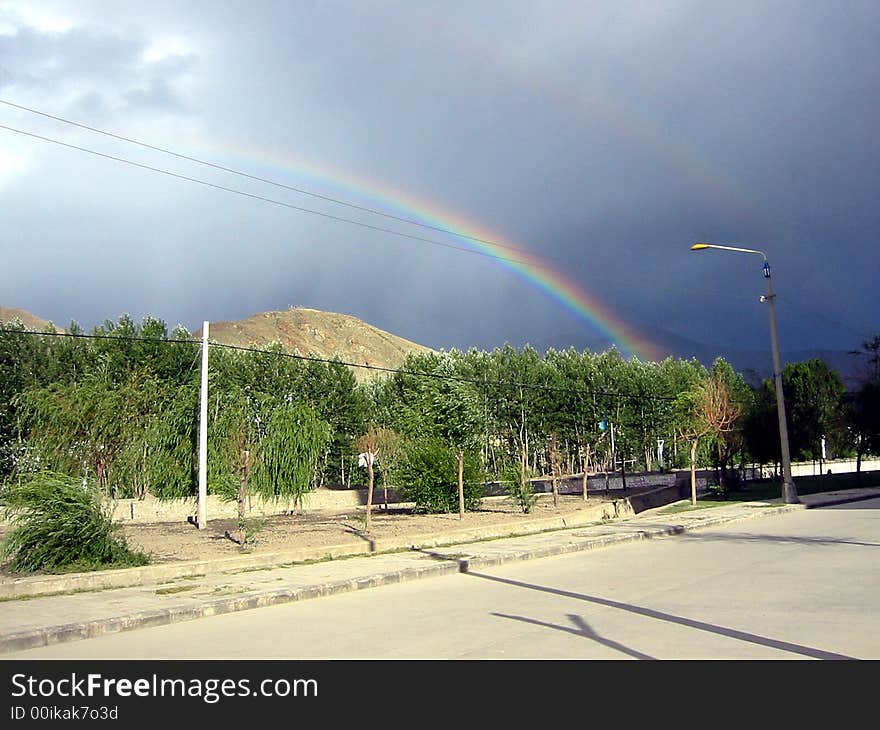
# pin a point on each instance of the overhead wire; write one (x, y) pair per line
(336, 361)
(262, 198)
(250, 176)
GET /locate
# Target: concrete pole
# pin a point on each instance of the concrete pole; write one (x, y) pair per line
(789, 492)
(613, 450)
(203, 434)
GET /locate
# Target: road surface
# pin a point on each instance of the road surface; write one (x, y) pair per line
(802, 585)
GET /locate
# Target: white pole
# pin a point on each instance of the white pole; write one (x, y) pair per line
(613, 452)
(203, 433)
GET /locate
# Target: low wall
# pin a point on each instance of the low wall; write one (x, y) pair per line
(151, 509)
(815, 468)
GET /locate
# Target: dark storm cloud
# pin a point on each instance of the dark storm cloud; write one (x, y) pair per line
(91, 69)
(604, 138)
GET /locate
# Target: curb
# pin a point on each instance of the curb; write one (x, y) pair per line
(90, 629)
(842, 500)
(32, 587)
(444, 566)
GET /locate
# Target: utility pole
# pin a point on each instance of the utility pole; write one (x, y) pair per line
(789, 491)
(202, 518)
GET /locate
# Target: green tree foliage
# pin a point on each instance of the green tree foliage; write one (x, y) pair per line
(761, 426)
(285, 440)
(862, 407)
(24, 363)
(518, 485)
(60, 523)
(864, 418)
(121, 406)
(708, 408)
(328, 389)
(729, 442)
(427, 473)
(132, 436)
(814, 406)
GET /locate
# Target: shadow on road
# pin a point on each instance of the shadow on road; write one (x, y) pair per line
(746, 537)
(582, 628)
(660, 616)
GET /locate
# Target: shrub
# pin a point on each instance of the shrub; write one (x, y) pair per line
(61, 523)
(522, 494)
(428, 475)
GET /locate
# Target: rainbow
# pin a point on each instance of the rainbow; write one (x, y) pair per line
(528, 267)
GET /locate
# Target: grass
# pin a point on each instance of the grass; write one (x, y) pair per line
(766, 491)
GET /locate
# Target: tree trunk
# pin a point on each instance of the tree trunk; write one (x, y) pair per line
(859, 461)
(694, 444)
(554, 470)
(385, 488)
(369, 519)
(460, 485)
(586, 468)
(242, 498)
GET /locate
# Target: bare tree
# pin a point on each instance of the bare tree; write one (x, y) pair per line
(709, 409)
(368, 445)
(375, 441)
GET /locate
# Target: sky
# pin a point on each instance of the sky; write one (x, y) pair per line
(460, 173)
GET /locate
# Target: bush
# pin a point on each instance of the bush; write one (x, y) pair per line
(428, 475)
(61, 523)
(522, 495)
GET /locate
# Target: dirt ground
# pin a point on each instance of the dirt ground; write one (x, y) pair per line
(171, 541)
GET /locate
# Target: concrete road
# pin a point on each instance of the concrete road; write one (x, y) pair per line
(802, 585)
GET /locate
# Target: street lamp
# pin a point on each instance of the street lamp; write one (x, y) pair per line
(789, 493)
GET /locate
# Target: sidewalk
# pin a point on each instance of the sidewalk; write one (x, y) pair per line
(208, 588)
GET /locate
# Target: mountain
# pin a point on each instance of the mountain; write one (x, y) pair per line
(314, 333)
(29, 320)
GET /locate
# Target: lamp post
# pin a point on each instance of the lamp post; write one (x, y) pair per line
(789, 493)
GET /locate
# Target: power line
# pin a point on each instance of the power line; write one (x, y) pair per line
(440, 376)
(81, 335)
(262, 198)
(249, 176)
(335, 361)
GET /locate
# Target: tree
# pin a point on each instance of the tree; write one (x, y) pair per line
(863, 405)
(434, 404)
(761, 426)
(870, 351)
(129, 435)
(729, 442)
(864, 418)
(707, 408)
(814, 407)
(370, 447)
(427, 473)
(61, 522)
(284, 440)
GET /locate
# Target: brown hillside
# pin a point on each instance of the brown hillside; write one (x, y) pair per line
(318, 334)
(29, 320)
